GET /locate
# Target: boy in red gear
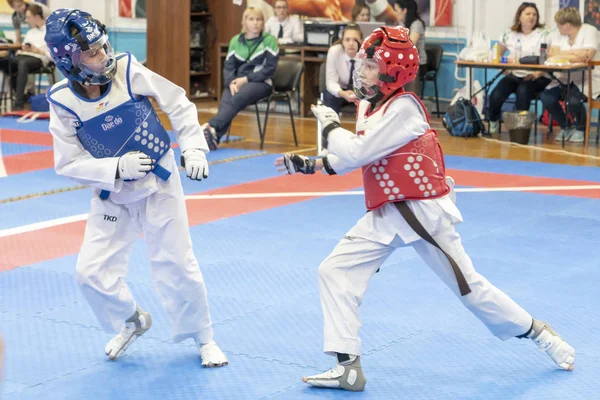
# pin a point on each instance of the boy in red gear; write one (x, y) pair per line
(410, 202)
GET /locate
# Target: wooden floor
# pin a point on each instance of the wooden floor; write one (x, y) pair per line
(279, 139)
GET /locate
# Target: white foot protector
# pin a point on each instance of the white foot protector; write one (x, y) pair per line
(346, 376)
(548, 341)
(212, 356)
(134, 327)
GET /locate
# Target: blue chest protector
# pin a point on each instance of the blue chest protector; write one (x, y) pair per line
(132, 126)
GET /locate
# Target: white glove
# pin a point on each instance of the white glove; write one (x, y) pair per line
(196, 164)
(325, 115)
(134, 165)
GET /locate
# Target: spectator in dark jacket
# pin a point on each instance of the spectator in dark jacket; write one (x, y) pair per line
(249, 67)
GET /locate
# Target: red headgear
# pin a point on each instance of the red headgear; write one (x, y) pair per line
(398, 60)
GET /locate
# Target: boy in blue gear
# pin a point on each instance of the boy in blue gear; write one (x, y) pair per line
(107, 136)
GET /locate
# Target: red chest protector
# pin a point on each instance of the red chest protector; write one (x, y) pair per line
(415, 171)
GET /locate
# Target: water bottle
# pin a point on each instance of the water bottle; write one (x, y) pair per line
(518, 51)
(496, 53)
(543, 53)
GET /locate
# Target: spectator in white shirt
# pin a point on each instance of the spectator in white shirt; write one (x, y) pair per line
(577, 43)
(18, 17)
(33, 56)
(525, 84)
(341, 59)
(286, 28)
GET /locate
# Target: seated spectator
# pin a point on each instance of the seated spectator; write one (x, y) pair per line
(341, 59)
(526, 84)
(18, 17)
(250, 64)
(361, 13)
(576, 42)
(407, 14)
(287, 29)
(33, 56)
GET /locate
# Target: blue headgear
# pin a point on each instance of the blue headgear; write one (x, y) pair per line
(72, 33)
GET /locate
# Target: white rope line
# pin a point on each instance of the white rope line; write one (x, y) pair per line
(79, 187)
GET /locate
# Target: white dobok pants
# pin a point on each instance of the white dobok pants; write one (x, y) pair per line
(345, 274)
(102, 265)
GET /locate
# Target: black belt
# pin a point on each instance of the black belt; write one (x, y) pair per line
(414, 223)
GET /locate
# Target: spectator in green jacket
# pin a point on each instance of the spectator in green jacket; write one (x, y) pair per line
(249, 67)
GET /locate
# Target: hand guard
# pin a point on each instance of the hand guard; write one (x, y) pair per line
(296, 163)
(195, 164)
(329, 121)
(325, 115)
(134, 165)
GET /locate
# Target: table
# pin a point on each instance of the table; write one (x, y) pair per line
(10, 47)
(571, 68)
(311, 56)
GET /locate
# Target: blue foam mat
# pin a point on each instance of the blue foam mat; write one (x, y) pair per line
(40, 125)
(175, 373)
(419, 342)
(11, 149)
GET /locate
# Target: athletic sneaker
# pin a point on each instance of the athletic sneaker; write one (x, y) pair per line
(494, 126)
(564, 133)
(577, 137)
(211, 136)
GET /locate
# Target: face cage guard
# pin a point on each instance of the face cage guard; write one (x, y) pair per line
(97, 73)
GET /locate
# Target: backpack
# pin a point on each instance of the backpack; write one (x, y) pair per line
(545, 118)
(39, 103)
(462, 119)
